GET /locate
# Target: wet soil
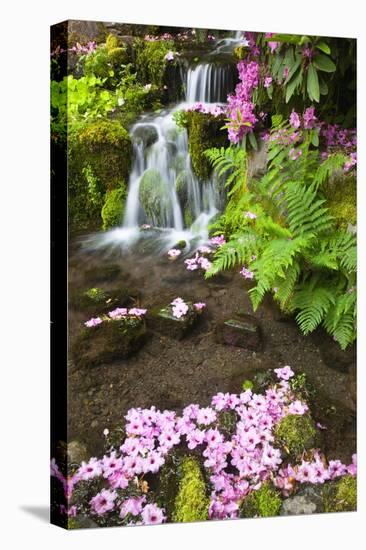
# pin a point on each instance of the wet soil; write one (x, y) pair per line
(171, 374)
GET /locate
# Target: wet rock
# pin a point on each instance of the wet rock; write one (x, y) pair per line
(307, 501)
(242, 331)
(95, 300)
(332, 355)
(103, 273)
(163, 321)
(352, 384)
(146, 134)
(76, 452)
(111, 340)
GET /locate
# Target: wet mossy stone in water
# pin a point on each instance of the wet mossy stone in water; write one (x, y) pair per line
(341, 495)
(162, 320)
(153, 196)
(107, 342)
(145, 134)
(95, 300)
(264, 502)
(242, 331)
(192, 502)
(296, 433)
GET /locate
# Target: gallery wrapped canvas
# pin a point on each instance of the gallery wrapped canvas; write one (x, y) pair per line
(204, 274)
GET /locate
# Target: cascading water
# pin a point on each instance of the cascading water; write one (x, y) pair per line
(163, 190)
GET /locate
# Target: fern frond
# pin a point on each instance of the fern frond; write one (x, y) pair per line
(313, 304)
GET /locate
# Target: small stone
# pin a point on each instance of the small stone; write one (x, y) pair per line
(242, 331)
(94, 424)
(306, 501)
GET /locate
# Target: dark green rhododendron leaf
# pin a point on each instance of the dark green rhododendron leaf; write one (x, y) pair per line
(323, 47)
(313, 84)
(324, 63)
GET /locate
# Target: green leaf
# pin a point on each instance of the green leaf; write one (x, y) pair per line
(253, 141)
(315, 138)
(323, 47)
(293, 68)
(291, 87)
(323, 87)
(324, 63)
(270, 91)
(313, 84)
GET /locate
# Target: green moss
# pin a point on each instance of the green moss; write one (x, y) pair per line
(99, 160)
(296, 433)
(240, 52)
(191, 503)
(341, 496)
(181, 186)
(113, 208)
(188, 218)
(204, 132)
(266, 502)
(150, 62)
(341, 195)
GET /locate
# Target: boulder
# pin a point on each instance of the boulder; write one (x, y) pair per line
(241, 331)
(76, 452)
(107, 342)
(153, 196)
(307, 501)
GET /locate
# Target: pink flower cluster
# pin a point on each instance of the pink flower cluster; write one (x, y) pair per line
(77, 48)
(308, 121)
(180, 308)
(198, 262)
(240, 106)
(218, 241)
(214, 110)
(173, 253)
(117, 314)
(246, 273)
(237, 464)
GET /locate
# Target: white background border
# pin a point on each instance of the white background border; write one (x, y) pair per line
(24, 272)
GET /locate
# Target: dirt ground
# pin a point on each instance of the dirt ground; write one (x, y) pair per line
(170, 374)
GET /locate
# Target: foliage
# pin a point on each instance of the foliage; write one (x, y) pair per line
(296, 434)
(191, 503)
(150, 60)
(265, 502)
(290, 240)
(113, 208)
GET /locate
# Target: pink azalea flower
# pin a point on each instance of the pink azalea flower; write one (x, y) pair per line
(285, 373)
(298, 408)
(132, 506)
(152, 515)
(103, 502)
(295, 119)
(89, 470)
(218, 241)
(267, 81)
(246, 273)
(138, 312)
(199, 306)
(118, 313)
(173, 253)
(206, 416)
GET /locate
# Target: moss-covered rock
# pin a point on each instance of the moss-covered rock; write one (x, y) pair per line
(162, 320)
(153, 196)
(204, 132)
(114, 206)
(341, 195)
(145, 134)
(265, 502)
(95, 300)
(296, 433)
(341, 495)
(192, 502)
(107, 342)
(99, 160)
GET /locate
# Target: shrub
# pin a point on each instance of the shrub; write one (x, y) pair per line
(150, 60)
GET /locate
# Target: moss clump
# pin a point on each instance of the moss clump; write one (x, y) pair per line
(96, 301)
(240, 52)
(112, 42)
(341, 496)
(266, 502)
(341, 195)
(99, 160)
(296, 433)
(181, 187)
(113, 208)
(204, 132)
(192, 502)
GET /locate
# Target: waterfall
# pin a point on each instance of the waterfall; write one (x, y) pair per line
(163, 190)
